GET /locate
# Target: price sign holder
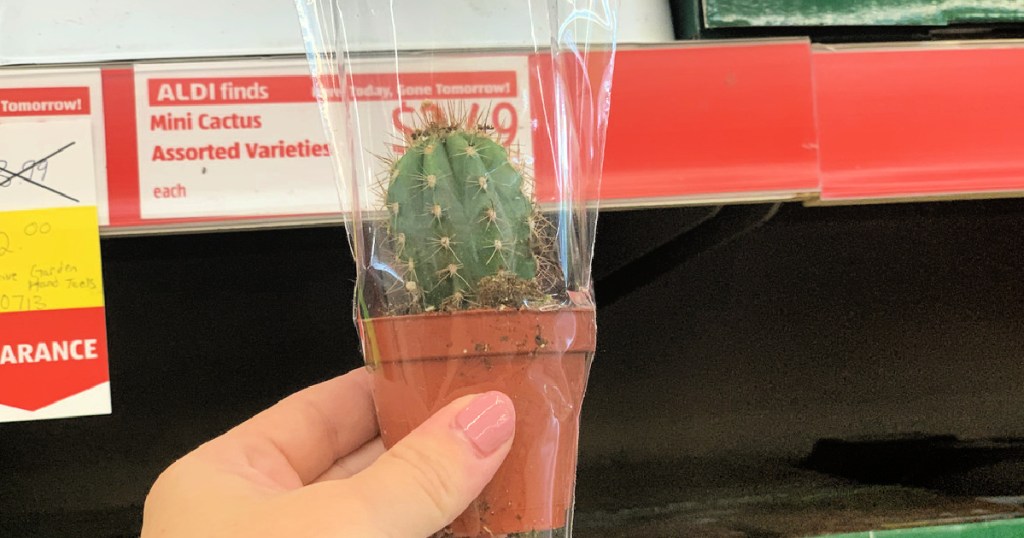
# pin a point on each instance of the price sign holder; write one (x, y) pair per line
(230, 140)
(53, 347)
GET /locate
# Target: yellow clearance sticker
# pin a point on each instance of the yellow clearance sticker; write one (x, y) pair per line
(50, 259)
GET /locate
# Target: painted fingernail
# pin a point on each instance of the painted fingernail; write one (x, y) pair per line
(488, 422)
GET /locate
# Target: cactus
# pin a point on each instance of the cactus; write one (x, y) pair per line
(462, 229)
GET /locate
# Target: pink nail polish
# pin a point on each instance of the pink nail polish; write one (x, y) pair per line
(488, 422)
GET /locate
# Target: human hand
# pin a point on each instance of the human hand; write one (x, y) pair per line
(313, 466)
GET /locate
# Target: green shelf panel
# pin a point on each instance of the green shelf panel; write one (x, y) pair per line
(769, 13)
(1007, 528)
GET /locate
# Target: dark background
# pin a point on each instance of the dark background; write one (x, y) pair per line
(722, 331)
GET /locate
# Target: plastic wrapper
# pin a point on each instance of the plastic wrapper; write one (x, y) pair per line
(471, 176)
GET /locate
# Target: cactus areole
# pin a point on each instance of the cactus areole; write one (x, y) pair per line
(462, 229)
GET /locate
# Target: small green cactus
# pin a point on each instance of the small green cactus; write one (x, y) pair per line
(462, 228)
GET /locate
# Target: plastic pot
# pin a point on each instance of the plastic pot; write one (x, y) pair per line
(540, 359)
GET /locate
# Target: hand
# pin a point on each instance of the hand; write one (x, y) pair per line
(313, 466)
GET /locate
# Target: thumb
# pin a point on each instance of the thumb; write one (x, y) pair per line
(431, 476)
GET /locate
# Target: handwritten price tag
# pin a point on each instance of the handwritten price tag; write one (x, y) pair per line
(49, 260)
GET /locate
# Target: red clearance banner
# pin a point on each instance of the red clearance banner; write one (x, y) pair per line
(51, 354)
(70, 101)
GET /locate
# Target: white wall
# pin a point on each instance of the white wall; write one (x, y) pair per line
(56, 31)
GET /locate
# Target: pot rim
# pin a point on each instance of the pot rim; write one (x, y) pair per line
(478, 333)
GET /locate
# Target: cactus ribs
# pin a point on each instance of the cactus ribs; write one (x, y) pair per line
(463, 230)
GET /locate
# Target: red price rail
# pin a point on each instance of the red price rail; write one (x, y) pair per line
(721, 122)
(732, 122)
(712, 123)
(921, 122)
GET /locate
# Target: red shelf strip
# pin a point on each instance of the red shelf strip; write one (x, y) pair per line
(758, 119)
(920, 122)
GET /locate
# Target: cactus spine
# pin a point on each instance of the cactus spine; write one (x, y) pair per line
(460, 218)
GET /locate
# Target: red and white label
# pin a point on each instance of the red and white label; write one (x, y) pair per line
(70, 101)
(247, 90)
(436, 86)
(231, 140)
(55, 356)
(243, 140)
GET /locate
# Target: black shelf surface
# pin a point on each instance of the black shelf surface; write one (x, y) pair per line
(715, 375)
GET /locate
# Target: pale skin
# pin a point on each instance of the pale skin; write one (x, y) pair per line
(313, 466)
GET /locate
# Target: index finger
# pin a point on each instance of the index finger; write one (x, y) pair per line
(295, 441)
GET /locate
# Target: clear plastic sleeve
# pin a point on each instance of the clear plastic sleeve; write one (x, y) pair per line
(468, 141)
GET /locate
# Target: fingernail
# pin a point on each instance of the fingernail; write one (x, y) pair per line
(488, 422)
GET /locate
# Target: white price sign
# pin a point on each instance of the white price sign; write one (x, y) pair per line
(246, 140)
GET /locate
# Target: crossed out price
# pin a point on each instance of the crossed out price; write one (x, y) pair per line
(30, 169)
(33, 172)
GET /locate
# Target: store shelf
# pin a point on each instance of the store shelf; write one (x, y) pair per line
(705, 122)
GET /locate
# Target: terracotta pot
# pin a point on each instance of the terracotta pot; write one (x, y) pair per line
(540, 359)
